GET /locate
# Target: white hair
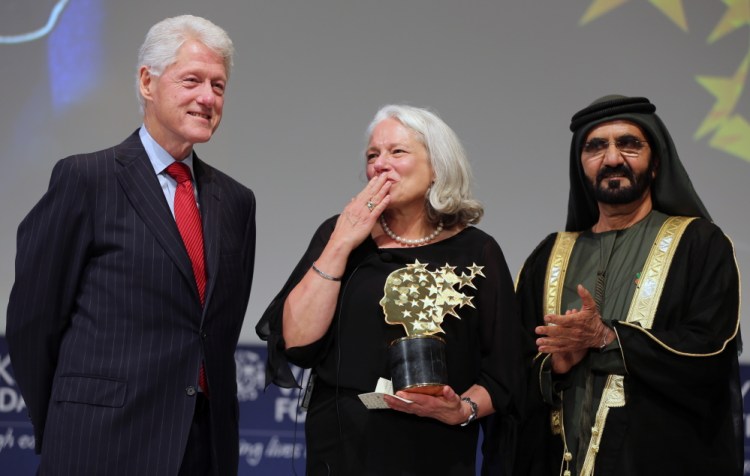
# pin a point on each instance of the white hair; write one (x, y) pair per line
(164, 39)
(450, 196)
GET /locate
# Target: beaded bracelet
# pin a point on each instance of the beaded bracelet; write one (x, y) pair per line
(325, 275)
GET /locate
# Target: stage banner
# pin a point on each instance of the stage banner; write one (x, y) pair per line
(17, 456)
(271, 423)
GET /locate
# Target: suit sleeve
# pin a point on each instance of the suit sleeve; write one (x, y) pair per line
(248, 257)
(52, 244)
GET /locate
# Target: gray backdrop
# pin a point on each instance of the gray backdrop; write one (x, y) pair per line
(309, 75)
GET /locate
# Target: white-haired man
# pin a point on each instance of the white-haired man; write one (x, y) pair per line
(133, 274)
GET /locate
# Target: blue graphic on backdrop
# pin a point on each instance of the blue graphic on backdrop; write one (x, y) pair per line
(34, 13)
(73, 30)
(75, 53)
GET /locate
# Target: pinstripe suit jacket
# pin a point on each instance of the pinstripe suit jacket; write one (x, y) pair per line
(105, 327)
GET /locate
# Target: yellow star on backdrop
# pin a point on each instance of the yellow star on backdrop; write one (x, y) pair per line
(727, 92)
(736, 16)
(732, 131)
(673, 9)
(733, 137)
(599, 8)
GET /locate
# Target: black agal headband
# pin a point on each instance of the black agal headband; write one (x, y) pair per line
(610, 107)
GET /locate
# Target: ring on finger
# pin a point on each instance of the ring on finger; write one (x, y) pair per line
(370, 205)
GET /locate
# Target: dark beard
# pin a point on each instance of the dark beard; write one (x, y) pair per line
(618, 195)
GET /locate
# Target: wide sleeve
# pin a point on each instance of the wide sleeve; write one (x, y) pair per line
(506, 348)
(504, 344)
(52, 250)
(530, 291)
(269, 327)
(534, 436)
(696, 327)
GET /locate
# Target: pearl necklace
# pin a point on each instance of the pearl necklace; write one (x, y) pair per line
(406, 241)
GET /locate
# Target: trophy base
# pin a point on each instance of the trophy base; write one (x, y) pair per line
(418, 364)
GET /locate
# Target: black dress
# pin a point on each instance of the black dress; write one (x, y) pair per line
(484, 345)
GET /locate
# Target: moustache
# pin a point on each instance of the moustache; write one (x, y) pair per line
(621, 170)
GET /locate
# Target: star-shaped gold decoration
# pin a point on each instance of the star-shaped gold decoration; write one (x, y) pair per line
(447, 308)
(430, 295)
(447, 269)
(417, 266)
(465, 280)
(466, 301)
(476, 270)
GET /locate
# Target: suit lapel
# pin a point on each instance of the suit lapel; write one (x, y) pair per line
(209, 194)
(140, 184)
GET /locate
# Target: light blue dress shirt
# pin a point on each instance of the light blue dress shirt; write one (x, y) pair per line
(160, 160)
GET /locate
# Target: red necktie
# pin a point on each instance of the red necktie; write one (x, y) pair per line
(188, 220)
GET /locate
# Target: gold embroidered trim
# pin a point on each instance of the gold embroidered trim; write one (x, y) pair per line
(642, 310)
(613, 397)
(556, 268)
(646, 298)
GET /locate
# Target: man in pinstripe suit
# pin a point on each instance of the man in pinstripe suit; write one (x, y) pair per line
(106, 326)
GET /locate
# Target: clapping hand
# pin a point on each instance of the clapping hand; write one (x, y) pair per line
(568, 337)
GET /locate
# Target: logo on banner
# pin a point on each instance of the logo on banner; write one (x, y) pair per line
(11, 400)
(251, 371)
(16, 433)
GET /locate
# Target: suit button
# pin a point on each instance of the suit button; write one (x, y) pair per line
(204, 334)
(190, 390)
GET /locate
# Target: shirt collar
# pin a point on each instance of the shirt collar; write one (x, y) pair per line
(160, 158)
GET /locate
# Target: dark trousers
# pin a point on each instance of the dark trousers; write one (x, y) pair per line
(197, 458)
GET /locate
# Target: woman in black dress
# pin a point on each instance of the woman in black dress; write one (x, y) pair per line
(407, 239)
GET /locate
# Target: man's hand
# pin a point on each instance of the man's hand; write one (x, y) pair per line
(569, 337)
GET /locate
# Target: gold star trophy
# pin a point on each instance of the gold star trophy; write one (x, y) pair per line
(419, 300)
